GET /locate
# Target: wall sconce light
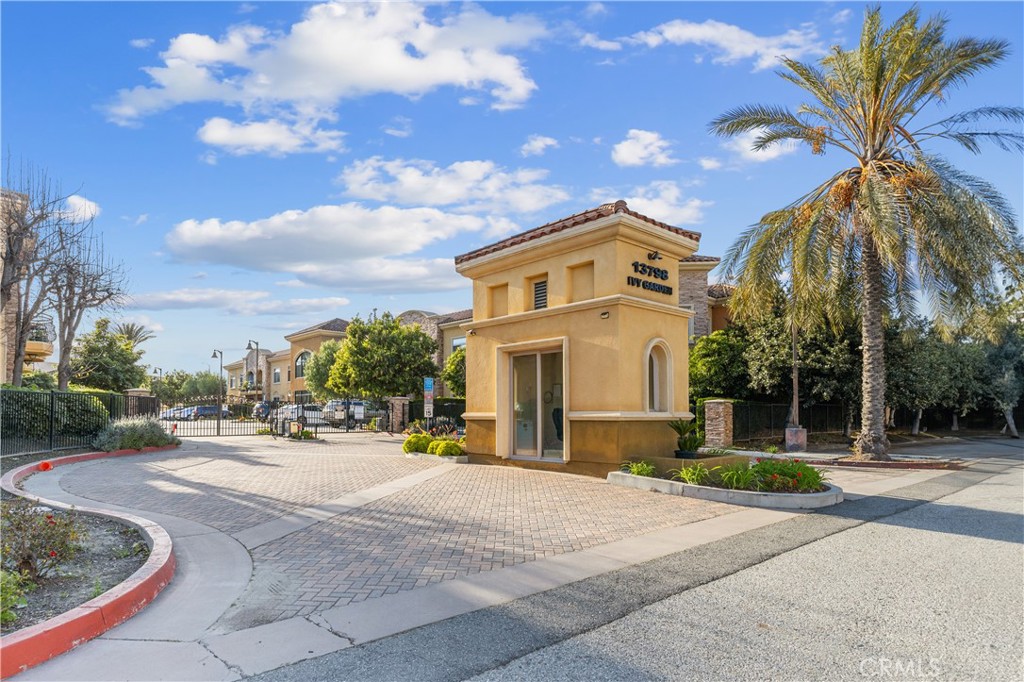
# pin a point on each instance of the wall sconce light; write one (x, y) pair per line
(470, 332)
(653, 255)
(605, 315)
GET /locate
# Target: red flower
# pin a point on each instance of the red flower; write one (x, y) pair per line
(796, 460)
(799, 474)
(49, 516)
(774, 476)
(53, 553)
(758, 459)
(795, 482)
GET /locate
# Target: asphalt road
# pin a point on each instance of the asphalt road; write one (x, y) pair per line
(923, 583)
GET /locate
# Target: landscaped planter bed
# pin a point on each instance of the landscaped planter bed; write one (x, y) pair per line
(460, 459)
(832, 494)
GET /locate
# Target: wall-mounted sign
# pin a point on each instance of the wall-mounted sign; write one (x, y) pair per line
(646, 284)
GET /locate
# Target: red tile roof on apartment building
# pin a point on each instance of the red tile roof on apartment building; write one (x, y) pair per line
(335, 325)
(720, 290)
(457, 316)
(696, 258)
(566, 223)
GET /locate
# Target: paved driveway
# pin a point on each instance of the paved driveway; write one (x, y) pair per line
(430, 528)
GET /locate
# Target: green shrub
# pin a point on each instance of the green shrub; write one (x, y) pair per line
(13, 588)
(133, 433)
(689, 435)
(739, 476)
(787, 475)
(698, 474)
(447, 448)
(40, 381)
(417, 442)
(264, 432)
(36, 540)
(25, 413)
(640, 468)
(432, 448)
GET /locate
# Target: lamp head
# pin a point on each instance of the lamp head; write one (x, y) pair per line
(249, 346)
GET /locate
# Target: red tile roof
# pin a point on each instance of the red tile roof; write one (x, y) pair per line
(720, 290)
(457, 316)
(695, 258)
(572, 221)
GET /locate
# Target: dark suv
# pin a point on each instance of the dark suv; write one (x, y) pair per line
(261, 411)
(209, 412)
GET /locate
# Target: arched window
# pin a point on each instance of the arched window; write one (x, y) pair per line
(250, 378)
(658, 377)
(300, 364)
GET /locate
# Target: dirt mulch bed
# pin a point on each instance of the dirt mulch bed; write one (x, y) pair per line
(110, 553)
(895, 464)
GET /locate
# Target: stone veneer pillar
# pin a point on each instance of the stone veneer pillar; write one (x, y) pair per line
(718, 423)
(398, 408)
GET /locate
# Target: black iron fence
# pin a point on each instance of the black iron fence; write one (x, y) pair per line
(43, 421)
(755, 421)
(447, 413)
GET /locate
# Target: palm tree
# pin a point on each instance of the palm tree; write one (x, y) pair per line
(133, 333)
(899, 221)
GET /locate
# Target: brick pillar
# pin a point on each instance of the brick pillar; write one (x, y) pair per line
(718, 423)
(398, 409)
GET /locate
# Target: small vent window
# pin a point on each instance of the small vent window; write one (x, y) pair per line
(540, 295)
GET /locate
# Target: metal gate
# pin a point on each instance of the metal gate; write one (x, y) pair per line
(235, 417)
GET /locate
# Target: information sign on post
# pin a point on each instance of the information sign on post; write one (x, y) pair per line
(428, 398)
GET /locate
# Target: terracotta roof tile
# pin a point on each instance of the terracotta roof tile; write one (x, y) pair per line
(571, 221)
(720, 290)
(457, 316)
(335, 325)
(696, 258)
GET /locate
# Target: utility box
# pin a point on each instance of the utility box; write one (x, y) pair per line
(294, 428)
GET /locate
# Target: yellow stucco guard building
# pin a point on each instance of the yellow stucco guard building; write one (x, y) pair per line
(577, 353)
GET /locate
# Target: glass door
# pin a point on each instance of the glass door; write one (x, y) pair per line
(538, 405)
(524, 405)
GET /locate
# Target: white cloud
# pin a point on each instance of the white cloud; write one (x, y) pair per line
(536, 145)
(336, 245)
(141, 43)
(141, 219)
(466, 185)
(731, 44)
(642, 148)
(233, 301)
(662, 200)
(292, 283)
(743, 144)
(842, 16)
(709, 163)
(209, 158)
(400, 126)
(338, 51)
(81, 209)
(272, 137)
(199, 275)
(145, 320)
(591, 40)
(594, 9)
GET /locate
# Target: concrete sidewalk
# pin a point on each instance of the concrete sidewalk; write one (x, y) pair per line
(207, 624)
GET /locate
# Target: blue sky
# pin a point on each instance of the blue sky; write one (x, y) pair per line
(261, 167)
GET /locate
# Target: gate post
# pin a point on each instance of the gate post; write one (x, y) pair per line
(718, 423)
(397, 407)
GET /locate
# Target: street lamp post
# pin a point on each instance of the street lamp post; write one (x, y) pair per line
(158, 375)
(220, 386)
(257, 375)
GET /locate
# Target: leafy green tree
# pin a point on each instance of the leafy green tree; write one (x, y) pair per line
(105, 360)
(899, 220)
(965, 365)
(914, 359)
(382, 357)
(718, 368)
(318, 370)
(202, 385)
(1003, 324)
(168, 388)
(454, 372)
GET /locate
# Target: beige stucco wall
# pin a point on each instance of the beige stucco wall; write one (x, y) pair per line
(605, 341)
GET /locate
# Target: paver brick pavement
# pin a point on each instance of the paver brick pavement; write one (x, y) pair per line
(236, 483)
(472, 519)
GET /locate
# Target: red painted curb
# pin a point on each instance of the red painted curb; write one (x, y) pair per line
(37, 643)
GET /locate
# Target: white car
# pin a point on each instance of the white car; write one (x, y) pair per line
(307, 415)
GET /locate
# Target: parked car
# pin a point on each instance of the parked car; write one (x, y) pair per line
(307, 415)
(351, 412)
(171, 414)
(210, 412)
(184, 413)
(261, 411)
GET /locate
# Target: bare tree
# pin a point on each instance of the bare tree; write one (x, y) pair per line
(83, 279)
(36, 225)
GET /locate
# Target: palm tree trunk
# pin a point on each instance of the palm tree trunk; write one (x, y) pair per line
(872, 443)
